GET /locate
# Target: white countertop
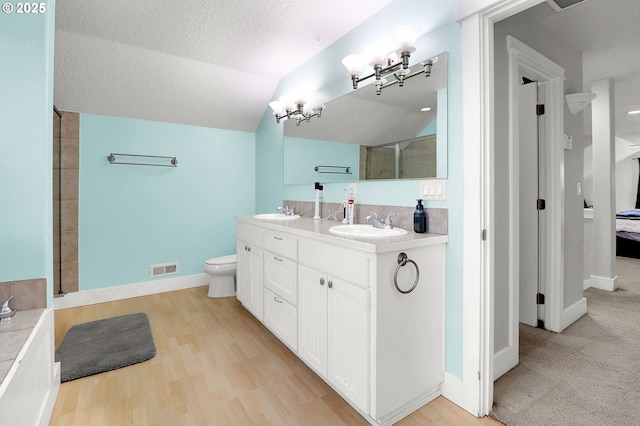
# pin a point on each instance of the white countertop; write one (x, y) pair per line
(319, 230)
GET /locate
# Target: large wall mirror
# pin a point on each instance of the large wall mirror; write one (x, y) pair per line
(363, 136)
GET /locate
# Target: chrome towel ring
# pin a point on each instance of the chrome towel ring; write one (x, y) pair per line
(403, 259)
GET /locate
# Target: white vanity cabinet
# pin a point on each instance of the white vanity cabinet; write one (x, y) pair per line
(281, 287)
(333, 319)
(335, 303)
(249, 273)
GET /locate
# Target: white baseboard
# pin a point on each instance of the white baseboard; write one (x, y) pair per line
(573, 313)
(586, 283)
(452, 389)
(127, 291)
(604, 283)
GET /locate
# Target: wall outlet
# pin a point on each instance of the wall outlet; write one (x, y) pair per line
(351, 191)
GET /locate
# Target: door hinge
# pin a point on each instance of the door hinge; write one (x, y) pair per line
(540, 299)
(541, 204)
(484, 235)
(540, 109)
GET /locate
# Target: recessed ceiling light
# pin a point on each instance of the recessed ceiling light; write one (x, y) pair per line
(636, 111)
(425, 109)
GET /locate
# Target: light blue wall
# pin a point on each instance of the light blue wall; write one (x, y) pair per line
(26, 110)
(327, 75)
(301, 156)
(131, 217)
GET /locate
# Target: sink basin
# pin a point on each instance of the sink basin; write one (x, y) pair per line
(365, 231)
(276, 216)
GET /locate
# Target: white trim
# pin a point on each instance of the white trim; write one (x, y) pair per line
(127, 291)
(604, 283)
(544, 70)
(505, 360)
(477, 18)
(573, 313)
(586, 283)
(452, 388)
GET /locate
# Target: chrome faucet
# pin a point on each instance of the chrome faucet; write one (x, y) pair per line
(377, 223)
(287, 211)
(7, 312)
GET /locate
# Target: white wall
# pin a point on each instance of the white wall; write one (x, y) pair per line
(626, 174)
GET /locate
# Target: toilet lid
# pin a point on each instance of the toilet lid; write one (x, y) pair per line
(223, 260)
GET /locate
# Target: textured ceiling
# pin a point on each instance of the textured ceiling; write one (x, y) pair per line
(201, 62)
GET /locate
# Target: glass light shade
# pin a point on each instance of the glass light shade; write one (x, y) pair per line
(406, 37)
(354, 64)
(377, 53)
(288, 103)
(277, 106)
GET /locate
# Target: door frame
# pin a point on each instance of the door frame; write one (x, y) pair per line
(543, 70)
(477, 18)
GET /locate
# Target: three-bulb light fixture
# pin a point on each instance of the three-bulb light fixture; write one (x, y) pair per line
(285, 109)
(387, 59)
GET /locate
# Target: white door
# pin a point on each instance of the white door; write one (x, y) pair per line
(529, 165)
(348, 359)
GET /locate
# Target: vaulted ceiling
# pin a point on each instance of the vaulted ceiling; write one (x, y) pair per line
(200, 62)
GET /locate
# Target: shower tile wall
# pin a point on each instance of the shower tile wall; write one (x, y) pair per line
(66, 166)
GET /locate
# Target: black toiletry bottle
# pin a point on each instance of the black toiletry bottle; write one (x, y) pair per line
(420, 218)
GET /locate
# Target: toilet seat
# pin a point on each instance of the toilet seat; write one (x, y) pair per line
(223, 260)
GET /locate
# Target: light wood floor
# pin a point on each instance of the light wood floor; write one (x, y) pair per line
(215, 365)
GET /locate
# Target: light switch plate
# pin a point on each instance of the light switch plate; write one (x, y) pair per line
(434, 189)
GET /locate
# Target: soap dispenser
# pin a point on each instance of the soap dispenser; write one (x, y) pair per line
(420, 218)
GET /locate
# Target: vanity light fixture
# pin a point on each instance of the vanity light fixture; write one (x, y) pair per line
(285, 109)
(387, 60)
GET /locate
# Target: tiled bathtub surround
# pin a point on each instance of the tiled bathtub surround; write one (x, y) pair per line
(437, 219)
(65, 203)
(27, 294)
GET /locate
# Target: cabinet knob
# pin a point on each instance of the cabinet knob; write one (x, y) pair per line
(321, 281)
(330, 284)
(247, 248)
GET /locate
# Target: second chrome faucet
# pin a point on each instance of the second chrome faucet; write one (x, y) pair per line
(377, 223)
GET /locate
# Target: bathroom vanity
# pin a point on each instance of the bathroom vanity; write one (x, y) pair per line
(343, 305)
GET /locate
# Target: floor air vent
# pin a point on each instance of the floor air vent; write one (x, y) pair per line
(163, 269)
(559, 5)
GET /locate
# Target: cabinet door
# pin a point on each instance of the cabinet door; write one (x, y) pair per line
(348, 341)
(312, 319)
(249, 278)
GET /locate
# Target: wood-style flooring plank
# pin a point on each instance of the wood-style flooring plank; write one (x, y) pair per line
(215, 365)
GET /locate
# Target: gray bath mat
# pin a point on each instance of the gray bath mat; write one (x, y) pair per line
(104, 345)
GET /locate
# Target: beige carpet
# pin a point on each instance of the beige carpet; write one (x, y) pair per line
(587, 375)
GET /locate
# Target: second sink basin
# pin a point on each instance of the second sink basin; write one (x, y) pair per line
(276, 216)
(365, 231)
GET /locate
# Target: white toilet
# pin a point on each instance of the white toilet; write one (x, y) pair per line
(222, 275)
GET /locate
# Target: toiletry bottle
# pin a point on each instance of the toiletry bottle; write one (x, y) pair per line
(350, 211)
(420, 218)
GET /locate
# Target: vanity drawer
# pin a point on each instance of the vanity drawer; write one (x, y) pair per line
(281, 276)
(282, 245)
(337, 263)
(250, 234)
(281, 318)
